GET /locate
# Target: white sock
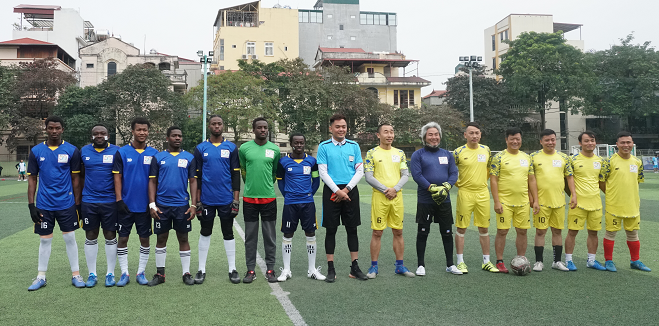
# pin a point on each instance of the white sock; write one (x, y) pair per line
(591, 258)
(286, 246)
(311, 252)
(185, 261)
(161, 256)
(91, 251)
(72, 250)
(122, 257)
(111, 254)
(568, 257)
(204, 244)
(144, 258)
(486, 259)
(45, 246)
(460, 258)
(230, 248)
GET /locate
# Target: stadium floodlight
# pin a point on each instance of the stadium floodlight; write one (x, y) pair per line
(205, 60)
(211, 53)
(480, 59)
(200, 53)
(471, 62)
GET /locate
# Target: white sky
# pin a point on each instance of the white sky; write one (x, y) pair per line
(434, 32)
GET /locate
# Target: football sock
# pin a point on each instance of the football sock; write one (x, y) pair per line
(111, 254)
(591, 258)
(161, 256)
(72, 250)
(144, 258)
(185, 261)
(230, 249)
(204, 244)
(499, 261)
(558, 253)
(122, 257)
(330, 265)
(375, 262)
(447, 239)
(539, 251)
(486, 259)
(421, 240)
(608, 249)
(311, 252)
(634, 249)
(45, 245)
(460, 258)
(91, 251)
(399, 262)
(286, 246)
(568, 257)
(41, 275)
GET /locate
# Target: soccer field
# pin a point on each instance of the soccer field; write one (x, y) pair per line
(583, 297)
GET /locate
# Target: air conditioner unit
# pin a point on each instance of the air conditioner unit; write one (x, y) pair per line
(245, 56)
(254, 56)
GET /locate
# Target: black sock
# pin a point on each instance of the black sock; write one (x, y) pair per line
(447, 239)
(421, 240)
(160, 270)
(355, 262)
(330, 265)
(499, 261)
(538, 252)
(558, 252)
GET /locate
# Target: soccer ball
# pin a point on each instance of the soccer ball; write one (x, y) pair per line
(520, 266)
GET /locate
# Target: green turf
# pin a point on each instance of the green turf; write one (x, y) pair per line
(551, 297)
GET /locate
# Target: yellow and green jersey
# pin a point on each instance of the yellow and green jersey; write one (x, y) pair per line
(513, 171)
(550, 172)
(472, 165)
(622, 177)
(385, 165)
(586, 171)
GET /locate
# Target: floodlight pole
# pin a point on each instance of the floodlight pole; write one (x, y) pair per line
(205, 99)
(471, 97)
(471, 62)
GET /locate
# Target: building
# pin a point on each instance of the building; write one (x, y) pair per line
(434, 98)
(378, 72)
(567, 125)
(14, 52)
(250, 32)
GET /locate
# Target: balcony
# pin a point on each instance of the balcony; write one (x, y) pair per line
(378, 79)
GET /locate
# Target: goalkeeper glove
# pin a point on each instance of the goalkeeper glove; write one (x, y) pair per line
(200, 208)
(433, 188)
(34, 213)
(447, 185)
(440, 196)
(235, 207)
(122, 207)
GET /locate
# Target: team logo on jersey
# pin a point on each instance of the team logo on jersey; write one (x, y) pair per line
(86, 158)
(269, 153)
(633, 168)
(107, 158)
(182, 163)
(443, 160)
(597, 165)
(225, 153)
(307, 170)
(62, 158)
(482, 158)
(290, 169)
(162, 162)
(42, 158)
(524, 163)
(129, 160)
(395, 158)
(557, 163)
(205, 154)
(147, 159)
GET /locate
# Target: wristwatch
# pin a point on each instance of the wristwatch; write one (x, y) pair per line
(349, 188)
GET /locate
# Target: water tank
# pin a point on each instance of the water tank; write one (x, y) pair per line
(102, 34)
(153, 51)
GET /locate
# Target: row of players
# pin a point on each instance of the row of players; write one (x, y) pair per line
(135, 184)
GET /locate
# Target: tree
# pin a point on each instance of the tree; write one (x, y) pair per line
(7, 96)
(82, 108)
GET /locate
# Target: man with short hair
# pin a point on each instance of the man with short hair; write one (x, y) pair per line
(298, 181)
(132, 164)
(473, 161)
(619, 179)
(435, 173)
(655, 163)
(386, 171)
(258, 165)
(55, 166)
(169, 202)
(586, 168)
(340, 167)
(20, 167)
(218, 172)
(513, 185)
(98, 203)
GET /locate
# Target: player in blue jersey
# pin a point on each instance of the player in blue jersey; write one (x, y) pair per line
(435, 173)
(98, 203)
(298, 181)
(55, 166)
(169, 205)
(218, 175)
(132, 164)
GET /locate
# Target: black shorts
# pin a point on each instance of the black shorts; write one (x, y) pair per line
(142, 223)
(99, 214)
(67, 219)
(267, 211)
(172, 218)
(296, 213)
(442, 214)
(208, 212)
(344, 212)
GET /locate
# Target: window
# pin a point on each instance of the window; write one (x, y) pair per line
(221, 67)
(164, 66)
(340, 27)
(392, 19)
(269, 49)
(377, 19)
(90, 65)
(22, 153)
(233, 46)
(221, 49)
(494, 42)
(352, 38)
(303, 16)
(251, 48)
(310, 16)
(411, 98)
(371, 72)
(313, 18)
(369, 19)
(494, 63)
(352, 16)
(383, 19)
(329, 37)
(504, 35)
(362, 19)
(285, 48)
(112, 68)
(395, 98)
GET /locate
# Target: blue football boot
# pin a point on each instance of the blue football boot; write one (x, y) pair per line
(109, 280)
(78, 282)
(91, 280)
(123, 280)
(637, 264)
(610, 266)
(37, 284)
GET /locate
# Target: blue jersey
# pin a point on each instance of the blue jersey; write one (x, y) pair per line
(432, 167)
(134, 168)
(214, 164)
(99, 181)
(298, 179)
(173, 171)
(54, 166)
(341, 160)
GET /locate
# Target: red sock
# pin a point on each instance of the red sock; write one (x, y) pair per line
(634, 248)
(608, 249)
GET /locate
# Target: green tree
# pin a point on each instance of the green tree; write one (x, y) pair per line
(82, 108)
(7, 96)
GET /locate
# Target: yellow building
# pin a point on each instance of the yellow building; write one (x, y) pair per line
(378, 72)
(250, 32)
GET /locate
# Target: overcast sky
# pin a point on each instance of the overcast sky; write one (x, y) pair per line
(434, 32)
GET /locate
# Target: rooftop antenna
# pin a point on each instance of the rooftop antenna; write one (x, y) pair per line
(144, 48)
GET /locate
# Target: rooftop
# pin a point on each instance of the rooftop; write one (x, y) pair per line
(435, 93)
(357, 56)
(26, 41)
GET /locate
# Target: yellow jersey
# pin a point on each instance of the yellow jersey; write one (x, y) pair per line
(622, 177)
(550, 173)
(472, 166)
(513, 171)
(385, 165)
(586, 171)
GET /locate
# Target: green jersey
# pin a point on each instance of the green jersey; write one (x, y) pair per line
(258, 166)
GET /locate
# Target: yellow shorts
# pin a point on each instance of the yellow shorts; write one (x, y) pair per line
(549, 217)
(478, 203)
(576, 218)
(519, 215)
(385, 212)
(615, 223)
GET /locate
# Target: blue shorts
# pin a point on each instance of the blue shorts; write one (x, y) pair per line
(67, 219)
(142, 223)
(172, 218)
(95, 214)
(223, 212)
(22, 173)
(296, 213)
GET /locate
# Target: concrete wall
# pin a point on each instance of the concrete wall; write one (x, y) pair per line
(195, 73)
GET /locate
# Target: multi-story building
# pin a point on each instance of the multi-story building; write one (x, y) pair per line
(15, 52)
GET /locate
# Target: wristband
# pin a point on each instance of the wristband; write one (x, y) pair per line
(153, 206)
